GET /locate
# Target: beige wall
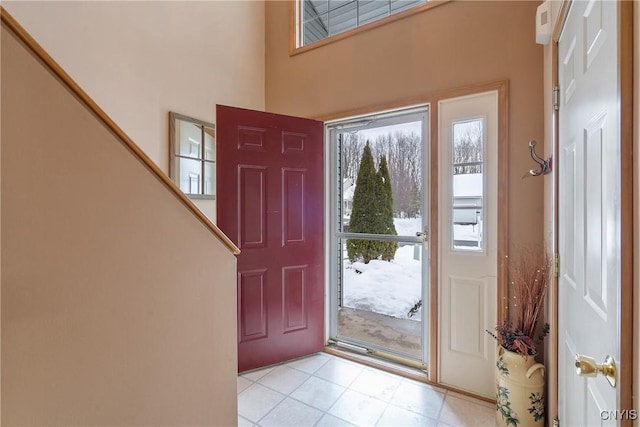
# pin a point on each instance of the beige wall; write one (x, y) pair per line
(118, 304)
(451, 46)
(140, 60)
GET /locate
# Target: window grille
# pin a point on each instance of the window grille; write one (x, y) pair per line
(321, 19)
(192, 145)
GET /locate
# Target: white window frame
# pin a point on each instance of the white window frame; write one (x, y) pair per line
(334, 230)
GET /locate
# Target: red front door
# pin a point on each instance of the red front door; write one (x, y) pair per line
(270, 203)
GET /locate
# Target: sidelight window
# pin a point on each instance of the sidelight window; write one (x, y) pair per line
(468, 185)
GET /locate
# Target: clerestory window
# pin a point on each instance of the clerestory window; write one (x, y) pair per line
(321, 19)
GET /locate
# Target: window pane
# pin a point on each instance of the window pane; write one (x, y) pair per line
(209, 178)
(315, 16)
(467, 145)
(192, 144)
(401, 147)
(194, 183)
(321, 6)
(343, 16)
(209, 144)
(386, 296)
(467, 211)
(372, 10)
(324, 18)
(468, 185)
(190, 172)
(400, 5)
(189, 137)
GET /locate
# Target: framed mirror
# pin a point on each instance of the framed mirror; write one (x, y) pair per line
(192, 164)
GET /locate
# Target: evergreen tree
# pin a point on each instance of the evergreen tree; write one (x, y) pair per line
(366, 216)
(385, 197)
(414, 207)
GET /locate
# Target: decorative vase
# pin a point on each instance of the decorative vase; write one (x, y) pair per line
(520, 399)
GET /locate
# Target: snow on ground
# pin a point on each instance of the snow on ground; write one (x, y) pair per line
(393, 287)
(407, 226)
(386, 287)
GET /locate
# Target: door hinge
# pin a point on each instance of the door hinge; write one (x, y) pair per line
(556, 98)
(556, 422)
(556, 264)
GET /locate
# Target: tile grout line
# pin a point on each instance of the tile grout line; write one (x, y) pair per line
(289, 395)
(312, 373)
(324, 412)
(339, 397)
(444, 401)
(382, 413)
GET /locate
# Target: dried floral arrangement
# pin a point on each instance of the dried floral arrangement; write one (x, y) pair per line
(529, 275)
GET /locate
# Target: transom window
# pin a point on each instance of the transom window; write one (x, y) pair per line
(321, 19)
(193, 151)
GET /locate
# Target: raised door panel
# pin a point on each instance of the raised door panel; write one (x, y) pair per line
(273, 204)
(589, 209)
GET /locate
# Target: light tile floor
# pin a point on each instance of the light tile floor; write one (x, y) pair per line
(325, 390)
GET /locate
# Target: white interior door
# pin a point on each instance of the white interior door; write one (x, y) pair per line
(589, 209)
(468, 183)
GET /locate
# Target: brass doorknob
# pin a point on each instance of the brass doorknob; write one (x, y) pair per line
(587, 367)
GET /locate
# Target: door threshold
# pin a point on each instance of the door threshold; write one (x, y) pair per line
(395, 359)
(369, 359)
(394, 368)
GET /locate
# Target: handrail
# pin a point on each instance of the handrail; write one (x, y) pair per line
(57, 70)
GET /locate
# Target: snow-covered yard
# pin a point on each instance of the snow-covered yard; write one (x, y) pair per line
(392, 287)
(387, 287)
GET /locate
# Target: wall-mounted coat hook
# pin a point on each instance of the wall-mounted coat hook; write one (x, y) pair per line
(545, 165)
